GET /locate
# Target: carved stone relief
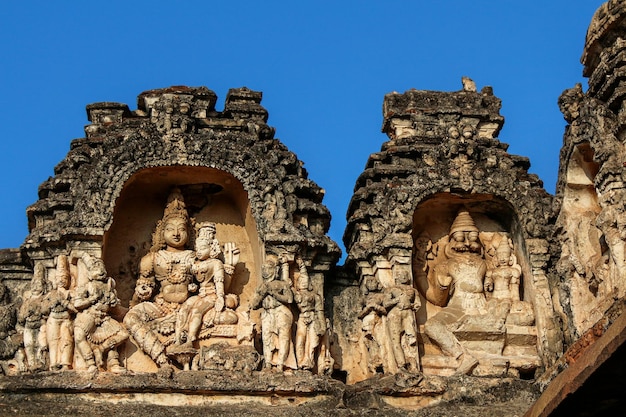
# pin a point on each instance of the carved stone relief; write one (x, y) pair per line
(97, 335)
(474, 317)
(182, 295)
(60, 323)
(32, 316)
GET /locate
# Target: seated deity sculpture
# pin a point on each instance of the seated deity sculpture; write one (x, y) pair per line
(32, 316)
(165, 282)
(214, 276)
(402, 302)
(457, 285)
(60, 325)
(311, 324)
(182, 295)
(97, 335)
(274, 296)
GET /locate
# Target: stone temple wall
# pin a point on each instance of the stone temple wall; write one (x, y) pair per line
(178, 263)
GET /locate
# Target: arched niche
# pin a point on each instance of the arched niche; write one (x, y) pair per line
(580, 192)
(492, 215)
(585, 256)
(210, 195)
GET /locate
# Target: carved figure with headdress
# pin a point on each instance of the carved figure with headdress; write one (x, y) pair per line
(97, 335)
(459, 287)
(165, 282)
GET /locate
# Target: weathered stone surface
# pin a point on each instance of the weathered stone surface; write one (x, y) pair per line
(467, 288)
(209, 393)
(443, 157)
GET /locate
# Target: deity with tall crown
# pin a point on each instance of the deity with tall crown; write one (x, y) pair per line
(458, 285)
(165, 282)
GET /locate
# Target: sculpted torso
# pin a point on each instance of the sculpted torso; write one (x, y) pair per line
(172, 269)
(403, 296)
(502, 278)
(466, 273)
(171, 266)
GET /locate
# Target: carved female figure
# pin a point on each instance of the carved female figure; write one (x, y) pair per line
(210, 272)
(311, 321)
(503, 281)
(59, 326)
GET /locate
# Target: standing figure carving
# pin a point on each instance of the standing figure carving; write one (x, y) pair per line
(60, 326)
(402, 302)
(10, 340)
(311, 324)
(164, 284)
(275, 297)
(502, 285)
(97, 335)
(458, 286)
(375, 342)
(32, 316)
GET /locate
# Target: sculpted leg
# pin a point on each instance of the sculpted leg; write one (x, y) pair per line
(54, 336)
(395, 333)
(268, 337)
(84, 348)
(409, 326)
(198, 313)
(65, 348)
(445, 339)
(449, 344)
(147, 338)
(301, 334)
(312, 342)
(284, 321)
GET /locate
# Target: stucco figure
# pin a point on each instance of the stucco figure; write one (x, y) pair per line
(402, 302)
(214, 277)
(60, 325)
(376, 352)
(311, 324)
(97, 335)
(32, 316)
(164, 284)
(459, 286)
(274, 296)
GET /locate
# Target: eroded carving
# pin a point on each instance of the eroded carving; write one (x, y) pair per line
(164, 284)
(275, 297)
(32, 316)
(11, 341)
(458, 286)
(402, 302)
(172, 113)
(311, 324)
(375, 347)
(60, 323)
(97, 335)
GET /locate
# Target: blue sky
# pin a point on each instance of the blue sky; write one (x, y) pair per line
(323, 67)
